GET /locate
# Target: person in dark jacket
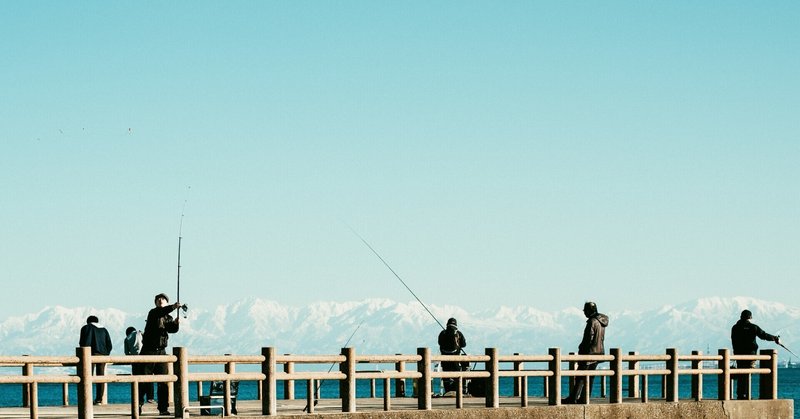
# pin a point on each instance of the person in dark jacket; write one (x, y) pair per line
(451, 340)
(592, 344)
(154, 342)
(96, 337)
(743, 340)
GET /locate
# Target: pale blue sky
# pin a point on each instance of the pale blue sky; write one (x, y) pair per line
(495, 153)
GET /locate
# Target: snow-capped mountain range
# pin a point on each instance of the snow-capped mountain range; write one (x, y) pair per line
(380, 326)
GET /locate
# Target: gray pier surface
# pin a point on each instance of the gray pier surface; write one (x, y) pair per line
(444, 408)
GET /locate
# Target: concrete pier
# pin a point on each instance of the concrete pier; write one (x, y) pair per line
(444, 408)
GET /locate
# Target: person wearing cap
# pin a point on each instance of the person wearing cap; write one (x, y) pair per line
(592, 344)
(154, 342)
(96, 337)
(451, 340)
(743, 340)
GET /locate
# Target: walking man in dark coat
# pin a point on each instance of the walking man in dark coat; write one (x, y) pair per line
(592, 344)
(743, 340)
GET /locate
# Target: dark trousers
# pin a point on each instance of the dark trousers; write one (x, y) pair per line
(157, 369)
(580, 382)
(145, 389)
(99, 388)
(450, 384)
(743, 380)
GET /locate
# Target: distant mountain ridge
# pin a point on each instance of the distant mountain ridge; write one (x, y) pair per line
(384, 326)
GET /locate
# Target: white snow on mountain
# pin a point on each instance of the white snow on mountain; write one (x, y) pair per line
(386, 327)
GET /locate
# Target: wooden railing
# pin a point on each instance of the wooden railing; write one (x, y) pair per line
(277, 368)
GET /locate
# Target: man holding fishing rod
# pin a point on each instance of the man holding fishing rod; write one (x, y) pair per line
(451, 340)
(743, 340)
(154, 342)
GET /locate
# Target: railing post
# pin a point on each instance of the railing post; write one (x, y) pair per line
(517, 380)
(387, 398)
(34, 404)
(521, 383)
(310, 395)
(349, 368)
(768, 383)
(424, 383)
(135, 400)
(554, 381)
(572, 365)
(645, 388)
(84, 370)
(545, 387)
(230, 368)
(181, 389)
(603, 392)
(724, 379)
(616, 379)
(269, 391)
(288, 385)
(170, 384)
(65, 394)
(493, 383)
(672, 378)
(400, 383)
(27, 370)
(459, 392)
(633, 380)
(697, 379)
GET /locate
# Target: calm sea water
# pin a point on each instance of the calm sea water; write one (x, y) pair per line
(50, 394)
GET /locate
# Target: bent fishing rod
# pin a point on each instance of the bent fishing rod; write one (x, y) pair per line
(401, 280)
(320, 382)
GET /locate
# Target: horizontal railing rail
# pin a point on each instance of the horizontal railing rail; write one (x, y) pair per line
(276, 368)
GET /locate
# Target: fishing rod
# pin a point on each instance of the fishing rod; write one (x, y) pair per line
(184, 307)
(319, 384)
(396, 276)
(784, 347)
(401, 280)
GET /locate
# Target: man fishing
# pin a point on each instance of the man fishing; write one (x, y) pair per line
(156, 336)
(451, 340)
(743, 340)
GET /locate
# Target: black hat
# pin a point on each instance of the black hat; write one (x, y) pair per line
(129, 330)
(452, 321)
(746, 315)
(162, 295)
(92, 319)
(589, 308)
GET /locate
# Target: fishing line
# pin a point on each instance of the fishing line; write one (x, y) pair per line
(319, 384)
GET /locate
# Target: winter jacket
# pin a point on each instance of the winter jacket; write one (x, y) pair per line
(133, 343)
(451, 340)
(743, 337)
(97, 338)
(159, 325)
(593, 335)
